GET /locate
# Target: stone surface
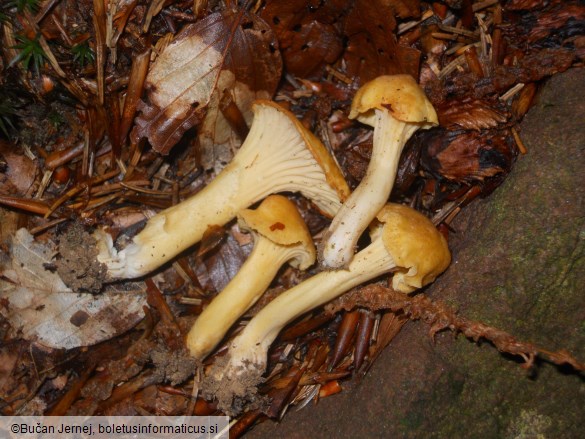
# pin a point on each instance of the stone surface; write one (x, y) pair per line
(519, 265)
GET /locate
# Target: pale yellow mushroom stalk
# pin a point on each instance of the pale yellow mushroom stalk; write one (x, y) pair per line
(279, 155)
(396, 107)
(404, 241)
(280, 236)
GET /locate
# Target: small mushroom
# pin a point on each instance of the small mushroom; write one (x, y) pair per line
(280, 236)
(396, 107)
(404, 241)
(279, 155)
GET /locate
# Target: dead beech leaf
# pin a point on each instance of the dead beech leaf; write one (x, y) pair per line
(40, 307)
(308, 33)
(222, 263)
(231, 51)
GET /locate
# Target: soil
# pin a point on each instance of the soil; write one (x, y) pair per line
(77, 263)
(519, 265)
(229, 392)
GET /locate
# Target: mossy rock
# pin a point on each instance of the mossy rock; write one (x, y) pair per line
(519, 265)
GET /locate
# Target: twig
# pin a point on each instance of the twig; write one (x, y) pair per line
(440, 316)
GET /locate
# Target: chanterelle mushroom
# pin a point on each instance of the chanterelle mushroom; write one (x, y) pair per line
(404, 241)
(280, 236)
(396, 107)
(278, 155)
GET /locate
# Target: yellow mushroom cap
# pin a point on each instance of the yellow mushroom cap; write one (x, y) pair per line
(400, 95)
(278, 219)
(415, 244)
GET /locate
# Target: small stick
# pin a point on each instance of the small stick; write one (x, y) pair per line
(512, 91)
(457, 62)
(33, 206)
(521, 146)
(46, 226)
(404, 27)
(447, 37)
(458, 31)
(473, 61)
(138, 73)
(339, 75)
(485, 4)
(497, 40)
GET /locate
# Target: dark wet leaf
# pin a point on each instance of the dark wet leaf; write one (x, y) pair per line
(372, 49)
(222, 264)
(467, 156)
(308, 33)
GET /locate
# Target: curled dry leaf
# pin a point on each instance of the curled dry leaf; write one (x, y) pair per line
(469, 155)
(229, 51)
(40, 307)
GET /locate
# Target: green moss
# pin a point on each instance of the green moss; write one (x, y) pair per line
(525, 264)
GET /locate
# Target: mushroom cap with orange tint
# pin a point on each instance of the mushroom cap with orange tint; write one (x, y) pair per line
(278, 219)
(416, 246)
(400, 95)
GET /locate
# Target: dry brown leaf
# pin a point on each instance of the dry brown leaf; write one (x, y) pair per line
(222, 263)
(40, 307)
(468, 155)
(308, 34)
(18, 172)
(231, 51)
(372, 49)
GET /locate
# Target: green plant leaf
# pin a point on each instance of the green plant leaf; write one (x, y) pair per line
(30, 50)
(83, 54)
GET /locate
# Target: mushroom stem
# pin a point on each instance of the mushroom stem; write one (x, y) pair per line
(278, 155)
(173, 230)
(243, 290)
(396, 107)
(248, 350)
(403, 241)
(371, 194)
(246, 359)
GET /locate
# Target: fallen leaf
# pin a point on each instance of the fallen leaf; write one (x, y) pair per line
(372, 49)
(308, 34)
(39, 306)
(469, 155)
(231, 51)
(222, 263)
(17, 173)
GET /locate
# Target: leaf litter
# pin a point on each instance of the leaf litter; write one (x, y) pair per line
(479, 62)
(42, 308)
